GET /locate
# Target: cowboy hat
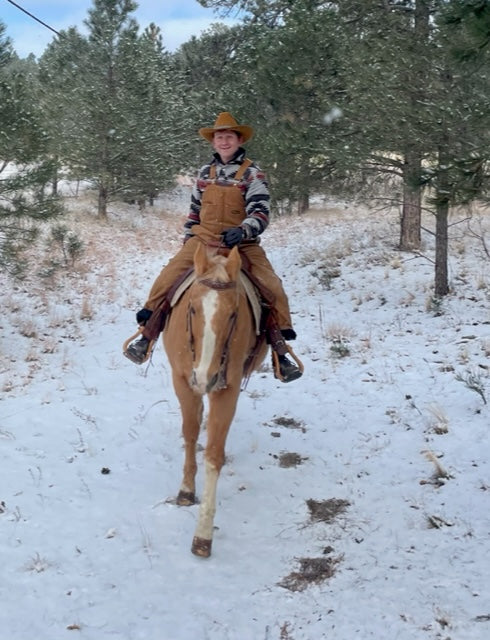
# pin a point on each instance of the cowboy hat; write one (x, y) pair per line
(225, 121)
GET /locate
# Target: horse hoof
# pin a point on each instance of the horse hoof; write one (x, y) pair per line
(201, 547)
(186, 498)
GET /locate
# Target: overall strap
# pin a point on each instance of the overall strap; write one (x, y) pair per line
(239, 174)
(244, 166)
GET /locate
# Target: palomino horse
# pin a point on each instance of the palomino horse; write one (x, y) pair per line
(209, 336)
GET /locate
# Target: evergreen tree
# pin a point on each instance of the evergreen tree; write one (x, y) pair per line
(24, 169)
(61, 78)
(288, 96)
(471, 19)
(109, 23)
(115, 106)
(205, 66)
(458, 172)
(154, 133)
(278, 71)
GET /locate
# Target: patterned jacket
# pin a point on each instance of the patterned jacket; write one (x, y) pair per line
(254, 188)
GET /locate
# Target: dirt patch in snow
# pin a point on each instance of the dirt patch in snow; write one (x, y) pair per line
(311, 571)
(326, 510)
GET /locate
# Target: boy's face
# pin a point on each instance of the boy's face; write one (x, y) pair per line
(226, 143)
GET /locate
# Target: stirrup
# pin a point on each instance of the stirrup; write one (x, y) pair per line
(127, 342)
(277, 367)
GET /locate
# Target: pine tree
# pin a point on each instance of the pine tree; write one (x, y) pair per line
(61, 98)
(204, 66)
(24, 168)
(115, 106)
(153, 128)
(280, 75)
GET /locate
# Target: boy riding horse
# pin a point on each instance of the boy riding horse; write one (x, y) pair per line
(229, 206)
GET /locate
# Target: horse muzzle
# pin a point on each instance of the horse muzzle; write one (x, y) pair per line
(209, 383)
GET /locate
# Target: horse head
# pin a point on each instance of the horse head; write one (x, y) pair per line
(212, 318)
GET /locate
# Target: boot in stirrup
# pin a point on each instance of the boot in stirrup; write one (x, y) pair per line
(139, 351)
(285, 370)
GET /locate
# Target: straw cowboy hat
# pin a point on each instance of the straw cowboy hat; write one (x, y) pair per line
(223, 122)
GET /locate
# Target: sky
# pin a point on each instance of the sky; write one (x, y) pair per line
(179, 20)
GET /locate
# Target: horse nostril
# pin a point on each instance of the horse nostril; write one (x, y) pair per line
(193, 378)
(212, 383)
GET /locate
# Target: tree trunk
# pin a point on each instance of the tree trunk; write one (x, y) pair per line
(303, 203)
(102, 202)
(441, 285)
(412, 194)
(54, 183)
(412, 205)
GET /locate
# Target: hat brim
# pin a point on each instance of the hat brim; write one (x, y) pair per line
(208, 132)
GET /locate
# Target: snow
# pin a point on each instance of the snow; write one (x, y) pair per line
(384, 419)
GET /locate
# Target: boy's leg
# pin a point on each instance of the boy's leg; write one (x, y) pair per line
(279, 325)
(156, 308)
(182, 260)
(262, 269)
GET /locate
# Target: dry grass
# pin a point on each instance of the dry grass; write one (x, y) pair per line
(326, 510)
(27, 328)
(289, 459)
(56, 301)
(311, 571)
(337, 332)
(438, 422)
(440, 475)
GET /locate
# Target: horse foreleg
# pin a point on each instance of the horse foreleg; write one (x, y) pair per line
(203, 538)
(222, 406)
(191, 407)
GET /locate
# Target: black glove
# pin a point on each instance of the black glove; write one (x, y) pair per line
(232, 236)
(143, 316)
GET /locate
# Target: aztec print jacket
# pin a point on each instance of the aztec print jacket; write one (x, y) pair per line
(253, 185)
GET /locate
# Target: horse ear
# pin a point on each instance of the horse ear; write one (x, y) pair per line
(234, 263)
(200, 259)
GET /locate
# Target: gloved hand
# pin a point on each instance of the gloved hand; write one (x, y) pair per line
(143, 316)
(232, 236)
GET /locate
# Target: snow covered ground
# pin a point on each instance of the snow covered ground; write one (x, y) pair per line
(355, 502)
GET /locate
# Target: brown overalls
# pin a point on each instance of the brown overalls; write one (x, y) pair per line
(222, 207)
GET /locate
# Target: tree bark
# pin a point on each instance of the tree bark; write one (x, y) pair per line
(412, 204)
(412, 194)
(303, 203)
(102, 202)
(441, 285)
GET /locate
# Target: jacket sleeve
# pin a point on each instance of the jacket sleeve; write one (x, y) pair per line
(257, 202)
(194, 215)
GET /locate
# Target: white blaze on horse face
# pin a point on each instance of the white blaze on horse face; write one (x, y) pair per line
(201, 369)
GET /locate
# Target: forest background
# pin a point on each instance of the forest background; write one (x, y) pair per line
(383, 101)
